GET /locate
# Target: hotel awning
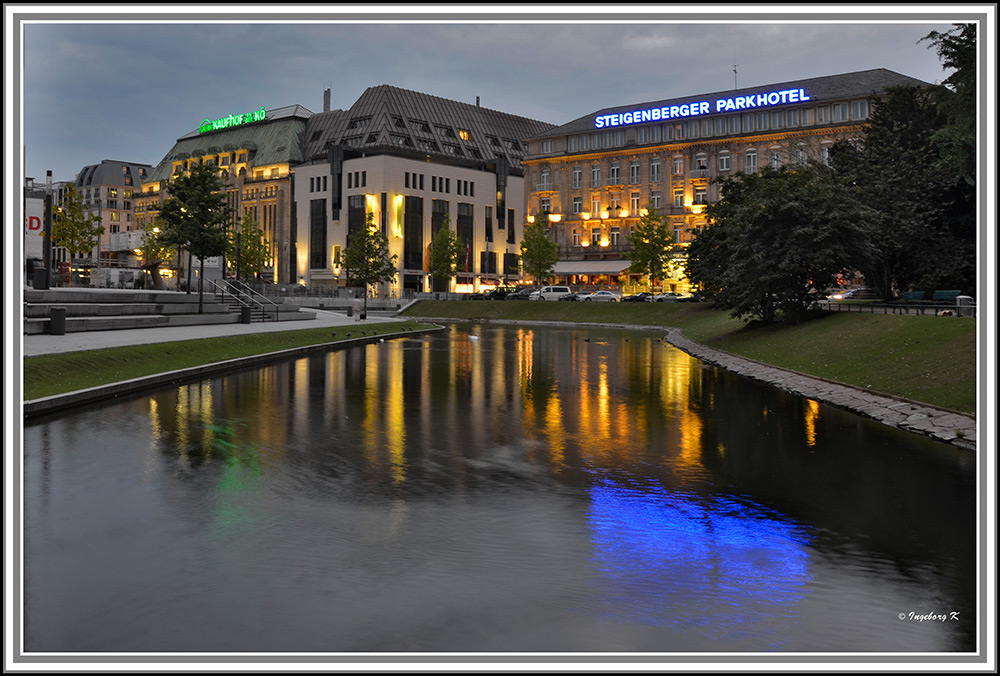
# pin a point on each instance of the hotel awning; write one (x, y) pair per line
(612, 267)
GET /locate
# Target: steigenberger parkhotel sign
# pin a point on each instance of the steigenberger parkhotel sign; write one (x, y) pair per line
(232, 121)
(696, 108)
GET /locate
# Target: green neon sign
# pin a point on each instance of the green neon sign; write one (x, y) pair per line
(232, 121)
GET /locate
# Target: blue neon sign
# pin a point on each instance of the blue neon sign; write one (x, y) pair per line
(696, 108)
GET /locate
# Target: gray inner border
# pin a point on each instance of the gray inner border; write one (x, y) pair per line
(984, 315)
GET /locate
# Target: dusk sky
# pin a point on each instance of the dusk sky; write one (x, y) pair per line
(94, 89)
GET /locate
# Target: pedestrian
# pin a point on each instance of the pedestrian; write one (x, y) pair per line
(356, 309)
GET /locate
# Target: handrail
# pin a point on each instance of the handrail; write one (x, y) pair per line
(245, 296)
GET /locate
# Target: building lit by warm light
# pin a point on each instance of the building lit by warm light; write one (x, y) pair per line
(600, 171)
(412, 161)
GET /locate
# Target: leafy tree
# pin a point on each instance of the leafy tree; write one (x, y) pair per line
(72, 228)
(775, 239)
(918, 238)
(447, 251)
(956, 99)
(539, 252)
(249, 249)
(367, 257)
(652, 243)
(196, 216)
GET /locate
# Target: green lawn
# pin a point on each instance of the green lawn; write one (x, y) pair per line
(928, 359)
(47, 375)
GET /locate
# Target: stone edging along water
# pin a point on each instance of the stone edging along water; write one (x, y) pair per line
(952, 427)
(59, 402)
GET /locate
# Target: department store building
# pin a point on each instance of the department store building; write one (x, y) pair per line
(592, 178)
(412, 160)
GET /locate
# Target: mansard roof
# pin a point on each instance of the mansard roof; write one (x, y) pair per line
(113, 172)
(275, 140)
(395, 120)
(859, 84)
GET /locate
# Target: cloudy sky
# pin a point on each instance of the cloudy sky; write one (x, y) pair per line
(94, 89)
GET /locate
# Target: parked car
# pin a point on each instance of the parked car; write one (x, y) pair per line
(668, 297)
(536, 294)
(524, 293)
(599, 297)
(570, 296)
(499, 293)
(553, 292)
(691, 298)
(863, 293)
(641, 297)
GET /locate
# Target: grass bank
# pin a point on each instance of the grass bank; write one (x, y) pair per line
(47, 375)
(926, 359)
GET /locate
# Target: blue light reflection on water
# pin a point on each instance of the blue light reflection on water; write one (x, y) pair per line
(669, 558)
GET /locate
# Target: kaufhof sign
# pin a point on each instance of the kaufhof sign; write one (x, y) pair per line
(232, 121)
(34, 232)
(727, 105)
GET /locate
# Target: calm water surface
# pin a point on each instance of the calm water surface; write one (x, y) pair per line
(493, 489)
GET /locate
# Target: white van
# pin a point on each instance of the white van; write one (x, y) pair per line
(553, 292)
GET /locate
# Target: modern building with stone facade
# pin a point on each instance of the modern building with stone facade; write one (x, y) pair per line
(412, 160)
(593, 177)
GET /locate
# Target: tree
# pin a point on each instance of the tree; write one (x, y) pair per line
(775, 239)
(956, 99)
(72, 228)
(367, 256)
(248, 248)
(156, 250)
(539, 253)
(196, 216)
(919, 238)
(447, 251)
(652, 244)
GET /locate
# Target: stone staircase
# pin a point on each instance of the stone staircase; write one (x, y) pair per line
(111, 309)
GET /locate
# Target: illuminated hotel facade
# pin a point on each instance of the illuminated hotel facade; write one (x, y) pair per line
(593, 177)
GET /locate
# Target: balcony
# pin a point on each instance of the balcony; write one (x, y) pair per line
(548, 188)
(615, 182)
(125, 241)
(593, 251)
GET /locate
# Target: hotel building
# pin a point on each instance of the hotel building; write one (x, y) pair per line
(593, 177)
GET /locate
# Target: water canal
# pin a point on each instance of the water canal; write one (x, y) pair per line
(493, 489)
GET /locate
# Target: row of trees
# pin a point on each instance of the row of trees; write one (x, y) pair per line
(195, 219)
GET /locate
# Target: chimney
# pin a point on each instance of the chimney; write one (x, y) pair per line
(477, 102)
(326, 100)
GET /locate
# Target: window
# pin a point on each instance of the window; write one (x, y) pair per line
(595, 176)
(595, 205)
(615, 202)
(776, 159)
(615, 235)
(634, 203)
(701, 195)
(576, 237)
(654, 134)
(574, 143)
(792, 117)
(778, 120)
(859, 110)
(822, 114)
(800, 155)
(242, 157)
(633, 172)
(720, 126)
(824, 154)
(489, 224)
(654, 171)
(577, 204)
(547, 146)
(546, 205)
(577, 177)
(751, 164)
(654, 199)
(839, 112)
(701, 162)
(616, 174)
(595, 236)
(679, 197)
(464, 135)
(678, 165)
(724, 162)
(543, 179)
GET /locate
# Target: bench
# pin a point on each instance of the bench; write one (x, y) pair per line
(947, 297)
(913, 296)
